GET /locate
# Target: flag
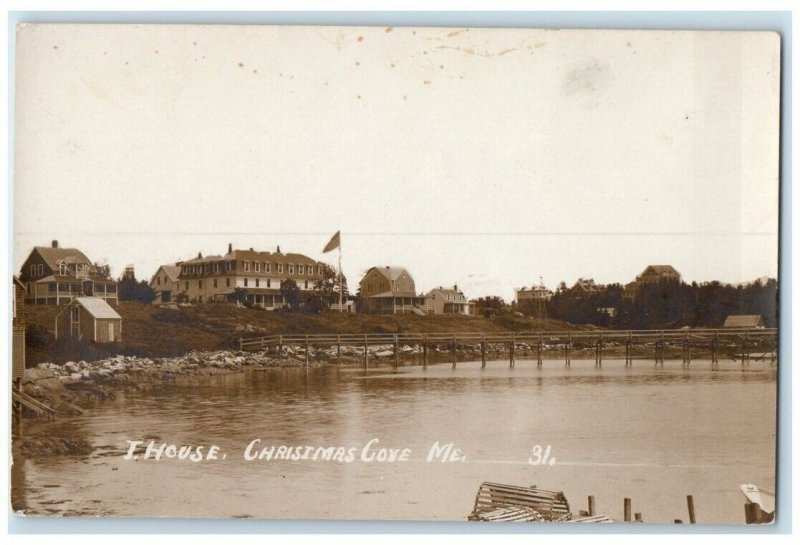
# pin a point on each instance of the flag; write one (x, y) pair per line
(332, 244)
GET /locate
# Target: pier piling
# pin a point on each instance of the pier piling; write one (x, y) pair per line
(483, 351)
(307, 350)
(453, 349)
(592, 507)
(690, 505)
(396, 352)
(366, 353)
(425, 352)
(627, 509)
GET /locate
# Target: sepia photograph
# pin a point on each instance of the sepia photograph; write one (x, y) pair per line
(395, 273)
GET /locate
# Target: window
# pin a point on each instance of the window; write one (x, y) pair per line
(280, 267)
(268, 282)
(158, 280)
(227, 282)
(301, 269)
(199, 284)
(246, 266)
(62, 268)
(215, 282)
(306, 284)
(33, 270)
(267, 267)
(187, 284)
(257, 266)
(41, 270)
(291, 269)
(319, 271)
(256, 282)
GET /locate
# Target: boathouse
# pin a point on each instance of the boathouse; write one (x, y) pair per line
(18, 331)
(89, 318)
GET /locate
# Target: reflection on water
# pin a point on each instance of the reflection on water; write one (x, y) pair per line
(654, 434)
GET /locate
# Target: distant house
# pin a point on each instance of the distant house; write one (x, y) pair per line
(166, 283)
(89, 318)
(585, 285)
(653, 274)
(18, 331)
(447, 301)
(54, 275)
(389, 290)
(534, 293)
(744, 320)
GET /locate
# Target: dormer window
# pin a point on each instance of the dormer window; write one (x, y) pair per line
(291, 268)
(257, 266)
(280, 267)
(246, 266)
(62, 268)
(267, 267)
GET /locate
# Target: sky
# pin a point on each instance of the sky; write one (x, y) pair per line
(486, 158)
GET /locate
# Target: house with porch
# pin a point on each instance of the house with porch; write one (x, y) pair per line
(247, 276)
(53, 275)
(443, 300)
(389, 290)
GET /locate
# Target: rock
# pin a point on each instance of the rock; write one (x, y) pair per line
(71, 366)
(76, 376)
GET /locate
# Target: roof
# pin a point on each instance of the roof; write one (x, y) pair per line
(662, 269)
(172, 271)
(98, 308)
(52, 256)
(446, 291)
(73, 280)
(392, 273)
(744, 320)
(252, 255)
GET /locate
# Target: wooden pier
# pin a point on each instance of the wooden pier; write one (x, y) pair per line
(738, 344)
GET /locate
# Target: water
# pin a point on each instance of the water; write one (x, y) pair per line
(654, 434)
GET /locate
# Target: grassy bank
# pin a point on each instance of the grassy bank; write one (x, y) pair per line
(153, 331)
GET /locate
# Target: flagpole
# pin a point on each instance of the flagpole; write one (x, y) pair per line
(341, 289)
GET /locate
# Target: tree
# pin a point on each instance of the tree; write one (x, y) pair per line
(131, 290)
(102, 271)
(291, 293)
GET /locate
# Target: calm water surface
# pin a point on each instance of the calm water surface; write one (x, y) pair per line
(654, 434)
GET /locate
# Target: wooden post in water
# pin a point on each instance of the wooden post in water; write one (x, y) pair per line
(539, 351)
(512, 348)
(751, 511)
(307, 347)
(483, 350)
(396, 352)
(339, 347)
(425, 351)
(637, 517)
(280, 347)
(366, 353)
(592, 509)
(746, 349)
(453, 349)
(627, 509)
(714, 347)
(567, 350)
(628, 353)
(690, 505)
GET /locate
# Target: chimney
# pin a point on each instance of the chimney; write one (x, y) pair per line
(455, 287)
(199, 255)
(230, 248)
(278, 251)
(251, 248)
(55, 244)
